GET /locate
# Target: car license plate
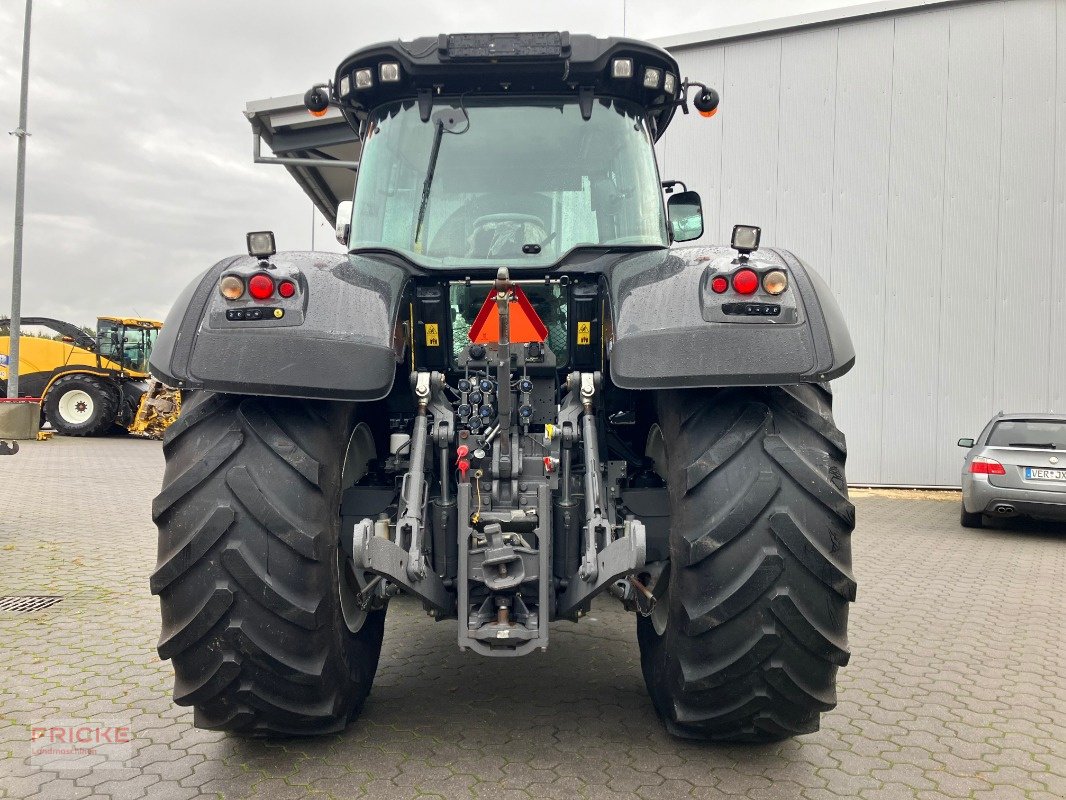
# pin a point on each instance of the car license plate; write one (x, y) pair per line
(1042, 474)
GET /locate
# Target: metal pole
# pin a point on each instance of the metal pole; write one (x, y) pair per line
(312, 225)
(20, 195)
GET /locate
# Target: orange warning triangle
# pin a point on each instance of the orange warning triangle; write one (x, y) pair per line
(526, 326)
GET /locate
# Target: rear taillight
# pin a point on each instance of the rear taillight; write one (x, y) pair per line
(775, 282)
(745, 281)
(231, 287)
(986, 466)
(719, 284)
(286, 288)
(261, 286)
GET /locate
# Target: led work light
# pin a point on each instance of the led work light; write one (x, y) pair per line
(261, 244)
(364, 79)
(622, 68)
(745, 238)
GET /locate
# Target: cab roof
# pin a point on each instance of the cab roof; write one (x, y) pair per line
(134, 322)
(499, 64)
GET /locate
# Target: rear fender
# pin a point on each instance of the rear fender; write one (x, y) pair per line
(671, 330)
(339, 337)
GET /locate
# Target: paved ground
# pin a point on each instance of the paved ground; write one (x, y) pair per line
(956, 688)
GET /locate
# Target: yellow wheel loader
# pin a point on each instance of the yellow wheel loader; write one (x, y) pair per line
(89, 385)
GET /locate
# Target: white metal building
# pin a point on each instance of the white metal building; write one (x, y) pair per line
(915, 154)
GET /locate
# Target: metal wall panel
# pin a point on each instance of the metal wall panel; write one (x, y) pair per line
(859, 226)
(1057, 353)
(918, 161)
(915, 241)
(804, 196)
(971, 229)
(1027, 179)
(749, 135)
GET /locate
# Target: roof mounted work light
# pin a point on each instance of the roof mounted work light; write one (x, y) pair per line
(622, 68)
(364, 79)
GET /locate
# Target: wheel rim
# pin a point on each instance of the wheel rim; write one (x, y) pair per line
(76, 407)
(655, 449)
(352, 582)
(660, 613)
(348, 590)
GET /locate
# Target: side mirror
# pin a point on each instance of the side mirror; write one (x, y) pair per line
(685, 213)
(966, 443)
(344, 221)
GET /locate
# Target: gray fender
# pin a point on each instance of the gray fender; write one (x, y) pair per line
(337, 338)
(671, 330)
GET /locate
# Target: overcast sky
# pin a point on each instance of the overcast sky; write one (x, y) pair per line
(140, 173)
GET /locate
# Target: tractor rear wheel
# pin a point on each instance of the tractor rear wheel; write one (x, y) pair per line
(81, 405)
(751, 620)
(257, 611)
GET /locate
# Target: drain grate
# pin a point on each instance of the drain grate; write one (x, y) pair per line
(27, 603)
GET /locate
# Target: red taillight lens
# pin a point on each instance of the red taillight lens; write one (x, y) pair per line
(286, 288)
(719, 284)
(261, 286)
(986, 466)
(745, 281)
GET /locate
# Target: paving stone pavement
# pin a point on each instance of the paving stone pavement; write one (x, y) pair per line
(956, 687)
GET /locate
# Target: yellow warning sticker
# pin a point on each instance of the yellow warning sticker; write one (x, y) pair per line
(584, 333)
(432, 335)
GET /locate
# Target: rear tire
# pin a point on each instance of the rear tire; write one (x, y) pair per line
(81, 405)
(968, 520)
(249, 572)
(751, 625)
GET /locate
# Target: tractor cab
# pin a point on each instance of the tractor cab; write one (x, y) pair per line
(520, 150)
(127, 341)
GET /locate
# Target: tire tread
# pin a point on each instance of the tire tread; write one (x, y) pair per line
(762, 579)
(247, 569)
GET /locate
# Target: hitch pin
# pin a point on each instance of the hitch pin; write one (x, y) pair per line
(365, 595)
(640, 587)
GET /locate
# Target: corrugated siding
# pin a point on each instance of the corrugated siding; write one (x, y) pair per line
(918, 162)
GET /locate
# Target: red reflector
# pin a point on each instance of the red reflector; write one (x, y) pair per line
(261, 286)
(286, 288)
(525, 325)
(986, 466)
(719, 284)
(745, 281)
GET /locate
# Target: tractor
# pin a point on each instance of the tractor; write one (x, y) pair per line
(510, 396)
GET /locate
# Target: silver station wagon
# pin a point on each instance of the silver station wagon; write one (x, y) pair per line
(1016, 467)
